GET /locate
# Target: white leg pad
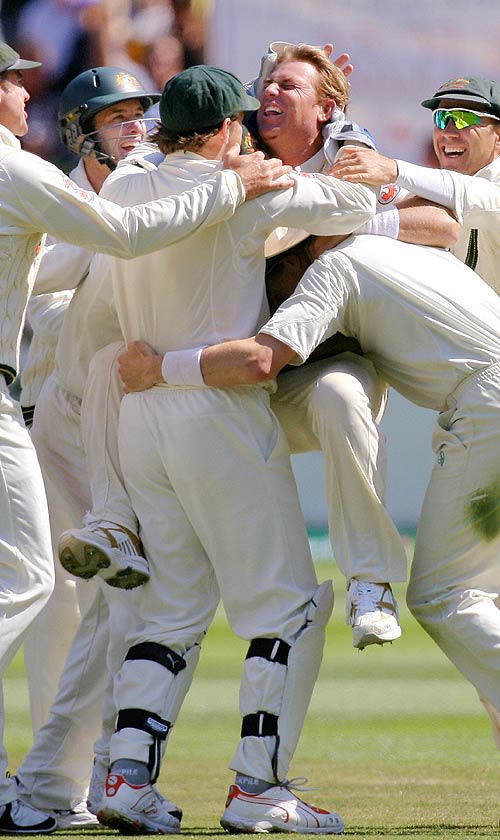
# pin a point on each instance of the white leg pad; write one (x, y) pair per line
(304, 661)
(283, 691)
(147, 685)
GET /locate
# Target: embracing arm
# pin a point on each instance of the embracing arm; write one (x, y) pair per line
(426, 220)
(245, 361)
(473, 199)
(422, 222)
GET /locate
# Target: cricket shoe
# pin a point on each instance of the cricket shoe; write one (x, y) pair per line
(372, 612)
(19, 818)
(137, 809)
(111, 551)
(276, 809)
(97, 784)
(77, 818)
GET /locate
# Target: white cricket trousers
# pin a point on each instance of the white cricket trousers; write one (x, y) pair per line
(26, 565)
(55, 772)
(100, 411)
(209, 476)
(57, 439)
(454, 589)
(336, 405)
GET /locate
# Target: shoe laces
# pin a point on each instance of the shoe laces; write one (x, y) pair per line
(369, 597)
(296, 783)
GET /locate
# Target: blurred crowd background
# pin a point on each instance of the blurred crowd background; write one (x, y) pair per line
(154, 39)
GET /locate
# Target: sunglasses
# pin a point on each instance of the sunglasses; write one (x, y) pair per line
(460, 118)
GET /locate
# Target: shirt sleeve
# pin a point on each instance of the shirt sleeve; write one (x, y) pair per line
(474, 200)
(320, 204)
(39, 196)
(315, 310)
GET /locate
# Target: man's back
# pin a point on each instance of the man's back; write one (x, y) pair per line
(211, 287)
(425, 319)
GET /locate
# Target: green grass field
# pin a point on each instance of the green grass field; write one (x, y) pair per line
(395, 740)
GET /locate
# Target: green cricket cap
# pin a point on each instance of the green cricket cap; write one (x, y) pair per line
(11, 60)
(202, 97)
(474, 90)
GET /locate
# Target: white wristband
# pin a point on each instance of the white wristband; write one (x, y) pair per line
(385, 222)
(182, 367)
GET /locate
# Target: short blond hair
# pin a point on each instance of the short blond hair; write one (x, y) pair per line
(331, 83)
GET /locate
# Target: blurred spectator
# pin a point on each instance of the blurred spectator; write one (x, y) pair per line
(65, 36)
(150, 19)
(153, 39)
(189, 26)
(164, 58)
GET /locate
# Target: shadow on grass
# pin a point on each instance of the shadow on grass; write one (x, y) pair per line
(434, 830)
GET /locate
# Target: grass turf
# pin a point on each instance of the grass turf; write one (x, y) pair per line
(395, 739)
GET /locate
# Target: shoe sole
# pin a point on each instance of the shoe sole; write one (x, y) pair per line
(373, 639)
(266, 827)
(130, 825)
(76, 826)
(84, 560)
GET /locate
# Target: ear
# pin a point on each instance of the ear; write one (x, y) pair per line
(326, 110)
(497, 140)
(225, 129)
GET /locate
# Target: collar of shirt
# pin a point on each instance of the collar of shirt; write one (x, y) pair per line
(8, 138)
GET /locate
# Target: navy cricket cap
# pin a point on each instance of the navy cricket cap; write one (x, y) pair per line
(202, 97)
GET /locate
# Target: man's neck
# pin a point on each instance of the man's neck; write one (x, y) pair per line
(295, 151)
(96, 172)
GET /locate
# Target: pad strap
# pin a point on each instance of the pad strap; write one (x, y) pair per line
(154, 652)
(274, 650)
(260, 725)
(263, 725)
(154, 725)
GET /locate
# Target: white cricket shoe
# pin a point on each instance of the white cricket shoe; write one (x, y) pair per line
(111, 551)
(372, 612)
(97, 784)
(19, 818)
(137, 809)
(277, 809)
(77, 818)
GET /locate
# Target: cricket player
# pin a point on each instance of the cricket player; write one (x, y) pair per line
(36, 197)
(105, 107)
(209, 477)
(466, 137)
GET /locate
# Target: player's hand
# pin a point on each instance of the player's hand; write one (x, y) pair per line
(342, 61)
(139, 367)
(259, 175)
(364, 166)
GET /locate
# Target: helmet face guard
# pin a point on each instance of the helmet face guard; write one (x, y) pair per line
(114, 141)
(90, 92)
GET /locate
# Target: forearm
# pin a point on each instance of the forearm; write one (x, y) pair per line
(246, 361)
(428, 224)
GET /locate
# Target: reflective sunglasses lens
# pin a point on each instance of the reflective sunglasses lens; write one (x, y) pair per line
(460, 119)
